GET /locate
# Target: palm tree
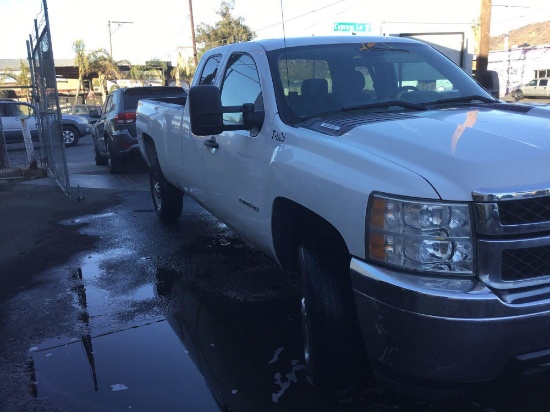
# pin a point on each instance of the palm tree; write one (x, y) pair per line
(158, 70)
(138, 73)
(151, 72)
(102, 63)
(23, 78)
(83, 64)
(184, 70)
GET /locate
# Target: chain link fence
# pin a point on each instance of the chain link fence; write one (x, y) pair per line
(44, 150)
(21, 153)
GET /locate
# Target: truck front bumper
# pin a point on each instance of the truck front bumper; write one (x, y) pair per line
(448, 329)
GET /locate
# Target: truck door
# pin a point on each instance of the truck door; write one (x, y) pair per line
(236, 172)
(193, 148)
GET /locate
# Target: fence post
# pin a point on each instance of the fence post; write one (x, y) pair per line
(29, 147)
(4, 162)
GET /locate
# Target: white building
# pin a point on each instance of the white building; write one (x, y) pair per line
(519, 65)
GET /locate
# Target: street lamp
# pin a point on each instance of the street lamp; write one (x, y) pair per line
(120, 23)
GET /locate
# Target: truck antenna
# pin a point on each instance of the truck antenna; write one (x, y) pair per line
(286, 56)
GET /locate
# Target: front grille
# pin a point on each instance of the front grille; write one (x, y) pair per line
(524, 211)
(523, 264)
(513, 229)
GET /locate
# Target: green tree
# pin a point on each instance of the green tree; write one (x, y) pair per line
(158, 69)
(228, 30)
(81, 61)
(184, 70)
(146, 74)
(22, 78)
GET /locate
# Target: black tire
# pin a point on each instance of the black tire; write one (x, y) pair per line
(100, 160)
(333, 350)
(518, 95)
(70, 135)
(115, 164)
(167, 199)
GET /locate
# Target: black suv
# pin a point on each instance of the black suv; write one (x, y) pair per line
(114, 131)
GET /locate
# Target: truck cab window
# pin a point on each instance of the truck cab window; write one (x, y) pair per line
(241, 84)
(210, 70)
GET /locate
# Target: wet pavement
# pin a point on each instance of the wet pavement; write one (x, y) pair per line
(103, 308)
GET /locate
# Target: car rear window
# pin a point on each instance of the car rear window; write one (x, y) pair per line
(132, 96)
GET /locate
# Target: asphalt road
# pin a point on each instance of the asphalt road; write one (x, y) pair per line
(103, 308)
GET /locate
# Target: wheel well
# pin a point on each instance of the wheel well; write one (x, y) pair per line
(291, 222)
(150, 148)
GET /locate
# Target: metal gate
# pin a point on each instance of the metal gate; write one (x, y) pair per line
(46, 100)
(31, 135)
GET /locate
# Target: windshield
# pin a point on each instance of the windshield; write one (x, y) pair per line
(323, 79)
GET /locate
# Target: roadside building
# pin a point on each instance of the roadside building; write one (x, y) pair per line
(519, 65)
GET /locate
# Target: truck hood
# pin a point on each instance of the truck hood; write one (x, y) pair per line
(460, 150)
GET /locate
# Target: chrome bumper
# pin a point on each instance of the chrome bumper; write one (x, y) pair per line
(448, 329)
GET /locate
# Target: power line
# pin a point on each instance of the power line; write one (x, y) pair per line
(301, 15)
(523, 15)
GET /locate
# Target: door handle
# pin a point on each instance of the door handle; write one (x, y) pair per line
(211, 143)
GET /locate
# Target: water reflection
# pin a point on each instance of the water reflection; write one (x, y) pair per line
(249, 352)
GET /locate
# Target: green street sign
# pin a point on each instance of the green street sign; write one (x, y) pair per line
(352, 27)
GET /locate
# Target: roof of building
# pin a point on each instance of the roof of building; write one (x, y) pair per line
(15, 64)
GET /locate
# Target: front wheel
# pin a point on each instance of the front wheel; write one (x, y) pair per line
(70, 135)
(333, 349)
(167, 199)
(518, 95)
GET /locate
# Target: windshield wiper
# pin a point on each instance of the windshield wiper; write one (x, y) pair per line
(381, 105)
(384, 105)
(466, 99)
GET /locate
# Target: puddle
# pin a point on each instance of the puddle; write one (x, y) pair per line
(92, 285)
(143, 368)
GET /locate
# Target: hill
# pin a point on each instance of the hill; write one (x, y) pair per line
(534, 34)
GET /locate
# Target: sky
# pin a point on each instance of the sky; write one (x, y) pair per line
(161, 29)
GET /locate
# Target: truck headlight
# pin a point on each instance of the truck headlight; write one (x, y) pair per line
(421, 235)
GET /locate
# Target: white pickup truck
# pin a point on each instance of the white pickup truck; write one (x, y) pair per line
(413, 205)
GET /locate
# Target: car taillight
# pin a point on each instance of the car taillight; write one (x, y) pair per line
(125, 118)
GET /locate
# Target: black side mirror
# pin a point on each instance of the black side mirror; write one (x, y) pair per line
(206, 113)
(205, 110)
(94, 114)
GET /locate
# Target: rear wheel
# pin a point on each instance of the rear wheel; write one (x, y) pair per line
(333, 349)
(70, 135)
(115, 164)
(518, 95)
(167, 199)
(100, 160)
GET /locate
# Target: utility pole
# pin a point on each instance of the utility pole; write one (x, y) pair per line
(120, 23)
(482, 60)
(193, 34)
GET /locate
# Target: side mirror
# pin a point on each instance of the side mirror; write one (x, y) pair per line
(491, 83)
(205, 110)
(206, 113)
(94, 114)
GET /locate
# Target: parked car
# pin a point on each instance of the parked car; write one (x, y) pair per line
(74, 127)
(11, 112)
(84, 110)
(535, 88)
(114, 133)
